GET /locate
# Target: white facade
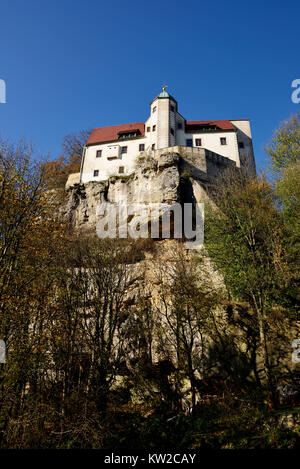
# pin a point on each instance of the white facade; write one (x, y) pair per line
(114, 150)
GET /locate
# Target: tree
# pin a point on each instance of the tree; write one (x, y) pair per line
(186, 303)
(284, 148)
(57, 171)
(104, 282)
(244, 238)
(30, 237)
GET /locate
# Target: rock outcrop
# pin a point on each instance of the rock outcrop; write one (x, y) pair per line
(152, 182)
(170, 178)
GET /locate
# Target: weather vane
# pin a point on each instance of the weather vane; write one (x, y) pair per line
(164, 87)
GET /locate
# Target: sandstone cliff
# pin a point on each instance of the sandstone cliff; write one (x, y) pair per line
(170, 178)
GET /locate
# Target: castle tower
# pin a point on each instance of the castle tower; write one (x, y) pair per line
(163, 120)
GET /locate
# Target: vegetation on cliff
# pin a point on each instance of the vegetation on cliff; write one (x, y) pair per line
(125, 344)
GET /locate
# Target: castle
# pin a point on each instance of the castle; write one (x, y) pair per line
(114, 150)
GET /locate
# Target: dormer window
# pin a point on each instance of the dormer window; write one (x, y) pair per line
(128, 134)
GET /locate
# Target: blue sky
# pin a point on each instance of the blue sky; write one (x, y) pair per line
(71, 65)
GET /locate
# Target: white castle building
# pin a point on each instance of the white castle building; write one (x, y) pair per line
(114, 150)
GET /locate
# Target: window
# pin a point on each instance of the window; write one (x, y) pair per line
(148, 129)
(172, 108)
(98, 153)
(141, 147)
(124, 135)
(123, 150)
(198, 142)
(121, 169)
(96, 172)
(154, 109)
(172, 131)
(189, 142)
(223, 141)
(241, 145)
(154, 128)
(179, 125)
(153, 146)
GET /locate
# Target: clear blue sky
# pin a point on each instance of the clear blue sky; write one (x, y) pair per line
(76, 64)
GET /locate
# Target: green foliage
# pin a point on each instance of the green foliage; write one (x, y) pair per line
(284, 148)
(244, 238)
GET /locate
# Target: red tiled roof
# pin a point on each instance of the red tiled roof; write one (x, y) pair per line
(222, 124)
(106, 134)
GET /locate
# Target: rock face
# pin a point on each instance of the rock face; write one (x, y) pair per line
(170, 178)
(152, 182)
